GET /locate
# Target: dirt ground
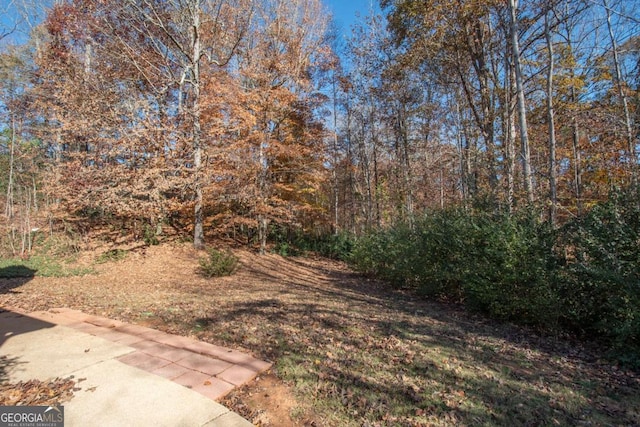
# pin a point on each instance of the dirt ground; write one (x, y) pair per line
(347, 350)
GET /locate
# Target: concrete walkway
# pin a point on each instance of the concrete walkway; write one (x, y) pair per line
(127, 374)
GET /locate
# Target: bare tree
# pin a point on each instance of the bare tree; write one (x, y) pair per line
(553, 189)
(522, 107)
(190, 36)
(619, 82)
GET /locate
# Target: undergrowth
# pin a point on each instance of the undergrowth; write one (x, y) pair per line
(218, 263)
(582, 278)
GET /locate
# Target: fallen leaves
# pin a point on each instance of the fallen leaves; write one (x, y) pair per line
(362, 354)
(36, 392)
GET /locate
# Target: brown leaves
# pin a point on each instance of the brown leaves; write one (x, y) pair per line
(36, 392)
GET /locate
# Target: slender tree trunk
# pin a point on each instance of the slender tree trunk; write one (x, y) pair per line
(575, 128)
(198, 225)
(577, 157)
(336, 193)
(376, 184)
(468, 182)
(376, 177)
(366, 171)
(8, 210)
(262, 188)
(406, 167)
(509, 131)
(623, 98)
(511, 138)
(522, 112)
(462, 161)
(352, 179)
(553, 190)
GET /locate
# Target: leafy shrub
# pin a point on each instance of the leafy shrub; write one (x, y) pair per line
(150, 235)
(284, 249)
(583, 278)
(500, 265)
(601, 284)
(511, 269)
(218, 263)
(294, 242)
(336, 246)
(112, 256)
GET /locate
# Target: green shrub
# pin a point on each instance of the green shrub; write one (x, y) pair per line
(285, 249)
(442, 250)
(511, 269)
(295, 242)
(583, 278)
(150, 235)
(500, 265)
(112, 256)
(218, 263)
(601, 284)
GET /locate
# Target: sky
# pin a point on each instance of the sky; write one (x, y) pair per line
(344, 11)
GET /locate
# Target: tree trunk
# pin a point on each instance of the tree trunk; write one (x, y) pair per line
(8, 210)
(522, 112)
(198, 224)
(262, 188)
(553, 190)
(623, 98)
(575, 128)
(336, 193)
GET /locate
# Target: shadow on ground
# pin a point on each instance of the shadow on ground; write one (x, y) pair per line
(12, 324)
(371, 355)
(14, 276)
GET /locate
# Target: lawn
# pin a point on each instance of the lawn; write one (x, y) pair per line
(348, 350)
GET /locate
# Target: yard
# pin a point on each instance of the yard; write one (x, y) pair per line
(348, 351)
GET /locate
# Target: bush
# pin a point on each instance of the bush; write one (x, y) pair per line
(295, 242)
(583, 278)
(601, 284)
(150, 235)
(511, 269)
(112, 255)
(497, 264)
(218, 263)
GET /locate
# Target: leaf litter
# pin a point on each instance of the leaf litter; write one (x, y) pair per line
(348, 351)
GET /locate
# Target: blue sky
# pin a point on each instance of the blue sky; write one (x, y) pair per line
(345, 11)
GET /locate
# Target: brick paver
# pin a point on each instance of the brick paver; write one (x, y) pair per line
(143, 361)
(237, 375)
(204, 364)
(213, 388)
(209, 369)
(171, 371)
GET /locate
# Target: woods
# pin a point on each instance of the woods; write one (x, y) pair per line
(255, 123)
(144, 111)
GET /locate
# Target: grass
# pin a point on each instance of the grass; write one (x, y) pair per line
(39, 265)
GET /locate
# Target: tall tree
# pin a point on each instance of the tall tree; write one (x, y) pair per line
(284, 142)
(619, 83)
(151, 56)
(522, 107)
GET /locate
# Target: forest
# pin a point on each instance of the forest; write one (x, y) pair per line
(480, 152)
